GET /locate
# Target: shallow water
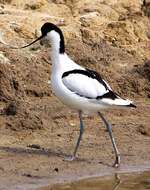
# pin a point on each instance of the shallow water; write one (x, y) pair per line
(130, 181)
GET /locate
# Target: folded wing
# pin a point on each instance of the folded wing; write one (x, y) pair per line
(87, 83)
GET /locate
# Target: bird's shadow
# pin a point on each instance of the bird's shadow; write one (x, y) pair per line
(48, 153)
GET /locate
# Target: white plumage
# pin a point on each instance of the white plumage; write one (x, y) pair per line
(84, 86)
(79, 90)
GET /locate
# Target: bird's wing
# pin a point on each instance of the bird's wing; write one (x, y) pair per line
(88, 84)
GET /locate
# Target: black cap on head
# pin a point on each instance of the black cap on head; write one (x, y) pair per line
(47, 27)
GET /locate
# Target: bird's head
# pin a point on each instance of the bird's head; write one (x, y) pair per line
(50, 33)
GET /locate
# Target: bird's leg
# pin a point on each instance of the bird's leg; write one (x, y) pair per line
(80, 135)
(109, 128)
(79, 138)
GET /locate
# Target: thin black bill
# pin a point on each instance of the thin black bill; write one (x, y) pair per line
(31, 43)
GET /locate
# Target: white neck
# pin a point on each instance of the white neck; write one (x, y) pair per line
(60, 61)
(54, 39)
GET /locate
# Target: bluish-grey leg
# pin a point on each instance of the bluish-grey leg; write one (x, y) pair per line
(79, 138)
(109, 128)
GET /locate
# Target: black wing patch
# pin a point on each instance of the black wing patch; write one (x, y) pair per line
(90, 73)
(111, 95)
(94, 75)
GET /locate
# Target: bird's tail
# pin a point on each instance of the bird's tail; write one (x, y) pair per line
(119, 102)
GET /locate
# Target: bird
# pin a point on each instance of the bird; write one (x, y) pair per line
(80, 88)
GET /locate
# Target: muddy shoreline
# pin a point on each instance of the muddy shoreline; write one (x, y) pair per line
(115, 178)
(129, 180)
(37, 157)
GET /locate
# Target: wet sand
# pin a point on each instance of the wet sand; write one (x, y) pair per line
(122, 181)
(32, 159)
